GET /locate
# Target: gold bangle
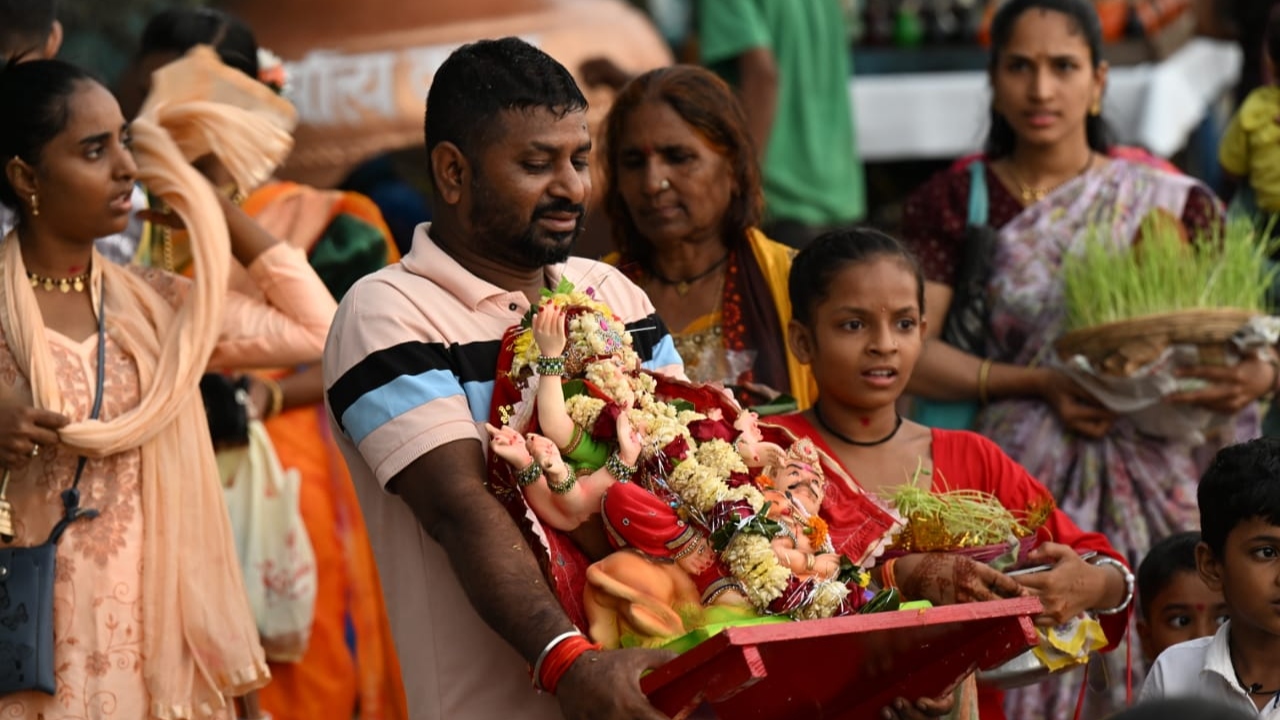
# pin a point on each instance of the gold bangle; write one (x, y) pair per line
(809, 561)
(277, 397)
(984, 373)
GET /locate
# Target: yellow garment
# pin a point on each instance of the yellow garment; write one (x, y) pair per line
(201, 643)
(1251, 146)
(775, 259)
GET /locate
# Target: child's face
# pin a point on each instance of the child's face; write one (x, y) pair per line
(866, 335)
(1185, 609)
(1247, 575)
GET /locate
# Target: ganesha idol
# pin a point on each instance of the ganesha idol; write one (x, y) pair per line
(654, 498)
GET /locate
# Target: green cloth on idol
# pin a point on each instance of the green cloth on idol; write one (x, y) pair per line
(811, 170)
(589, 454)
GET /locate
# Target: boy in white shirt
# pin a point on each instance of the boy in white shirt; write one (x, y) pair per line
(1239, 554)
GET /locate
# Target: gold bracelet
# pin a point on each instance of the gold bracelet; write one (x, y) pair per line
(809, 561)
(984, 373)
(277, 397)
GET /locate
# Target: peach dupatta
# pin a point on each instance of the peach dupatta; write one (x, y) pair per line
(200, 644)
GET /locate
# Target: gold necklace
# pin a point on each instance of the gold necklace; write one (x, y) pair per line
(49, 284)
(1033, 195)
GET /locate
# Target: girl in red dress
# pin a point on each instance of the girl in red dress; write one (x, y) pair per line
(858, 303)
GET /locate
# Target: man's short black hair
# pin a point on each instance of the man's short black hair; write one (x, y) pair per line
(480, 80)
(1172, 555)
(25, 26)
(1242, 482)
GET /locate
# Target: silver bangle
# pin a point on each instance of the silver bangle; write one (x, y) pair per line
(1102, 560)
(537, 666)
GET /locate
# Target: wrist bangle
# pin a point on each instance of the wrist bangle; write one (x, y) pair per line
(887, 578)
(277, 396)
(563, 487)
(984, 374)
(809, 560)
(1101, 561)
(529, 475)
(546, 652)
(549, 365)
(618, 469)
(561, 658)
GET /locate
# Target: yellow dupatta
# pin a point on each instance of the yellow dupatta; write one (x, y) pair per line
(774, 260)
(200, 643)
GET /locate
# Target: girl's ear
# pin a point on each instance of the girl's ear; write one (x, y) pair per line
(800, 339)
(1209, 566)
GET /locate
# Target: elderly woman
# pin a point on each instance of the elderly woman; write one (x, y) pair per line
(682, 190)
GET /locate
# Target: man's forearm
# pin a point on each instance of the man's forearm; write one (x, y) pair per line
(494, 565)
(502, 579)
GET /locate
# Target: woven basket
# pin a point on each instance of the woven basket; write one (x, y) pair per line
(1120, 348)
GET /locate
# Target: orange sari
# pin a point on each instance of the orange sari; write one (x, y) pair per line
(333, 679)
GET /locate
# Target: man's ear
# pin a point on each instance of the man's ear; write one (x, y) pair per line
(800, 339)
(450, 172)
(53, 43)
(1209, 567)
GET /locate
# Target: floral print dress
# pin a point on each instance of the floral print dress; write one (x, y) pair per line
(1133, 489)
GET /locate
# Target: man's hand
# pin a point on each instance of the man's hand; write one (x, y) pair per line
(606, 685)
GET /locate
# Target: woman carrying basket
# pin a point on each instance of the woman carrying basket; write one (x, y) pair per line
(1048, 181)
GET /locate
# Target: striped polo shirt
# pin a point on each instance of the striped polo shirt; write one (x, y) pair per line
(409, 366)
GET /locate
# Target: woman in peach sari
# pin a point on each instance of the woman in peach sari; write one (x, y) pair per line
(150, 614)
(350, 667)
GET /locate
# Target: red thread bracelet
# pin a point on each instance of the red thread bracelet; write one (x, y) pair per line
(561, 657)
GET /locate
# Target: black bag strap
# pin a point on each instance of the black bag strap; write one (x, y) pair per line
(71, 496)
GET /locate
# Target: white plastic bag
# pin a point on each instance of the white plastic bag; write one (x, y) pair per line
(272, 544)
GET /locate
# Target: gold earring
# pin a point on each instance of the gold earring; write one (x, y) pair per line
(35, 205)
(1096, 109)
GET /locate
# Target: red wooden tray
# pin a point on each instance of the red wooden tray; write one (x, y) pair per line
(847, 667)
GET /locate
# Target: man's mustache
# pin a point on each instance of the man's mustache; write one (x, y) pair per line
(560, 206)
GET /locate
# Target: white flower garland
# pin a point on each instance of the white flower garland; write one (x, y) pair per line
(827, 598)
(584, 410)
(751, 560)
(721, 456)
(612, 381)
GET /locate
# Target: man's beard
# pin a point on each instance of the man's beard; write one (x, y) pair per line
(522, 242)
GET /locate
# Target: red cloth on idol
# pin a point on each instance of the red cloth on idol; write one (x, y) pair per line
(966, 460)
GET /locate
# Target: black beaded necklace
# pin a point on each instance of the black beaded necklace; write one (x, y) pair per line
(897, 425)
(1255, 689)
(682, 286)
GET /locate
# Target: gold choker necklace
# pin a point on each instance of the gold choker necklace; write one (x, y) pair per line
(1031, 194)
(77, 283)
